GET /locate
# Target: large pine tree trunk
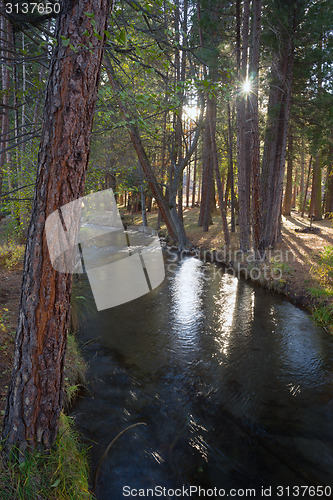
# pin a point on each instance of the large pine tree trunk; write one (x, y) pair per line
(242, 153)
(35, 394)
(254, 120)
(276, 138)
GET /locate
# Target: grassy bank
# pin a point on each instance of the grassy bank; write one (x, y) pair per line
(301, 267)
(62, 473)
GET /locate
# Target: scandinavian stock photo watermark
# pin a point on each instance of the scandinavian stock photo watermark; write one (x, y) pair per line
(274, 265)
(87, 235)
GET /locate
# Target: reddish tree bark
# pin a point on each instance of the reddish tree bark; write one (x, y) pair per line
(35, 394)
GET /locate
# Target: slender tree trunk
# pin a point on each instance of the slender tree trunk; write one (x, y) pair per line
(315, 209)
(143, 207)
(6, 34)
(194, 185)
(287, 202)
(301, 195)
(295, 189)
(16, 115)
(142, 156)
(24, 93)
(231, 172)
(35, 394)
(212, 128)
(180, 200)
(188, 181)
(207, 173)
(329, 193)
(306, 187)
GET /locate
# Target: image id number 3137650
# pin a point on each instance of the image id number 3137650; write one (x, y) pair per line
(304, 491)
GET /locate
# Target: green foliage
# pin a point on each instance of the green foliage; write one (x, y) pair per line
(11, 255)
(61, 474)
(280, 267)
(323, 315)
(324, 270)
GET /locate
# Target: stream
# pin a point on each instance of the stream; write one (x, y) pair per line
(234, 385)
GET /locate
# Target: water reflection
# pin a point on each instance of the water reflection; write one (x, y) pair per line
(225, 302)
(235, 386)
(186, 296)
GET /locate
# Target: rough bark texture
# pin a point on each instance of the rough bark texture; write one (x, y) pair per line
(254, 120)
(35, 394)
(243, 174)
(276, 138)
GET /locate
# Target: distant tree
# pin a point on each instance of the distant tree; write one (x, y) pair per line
(287, 203)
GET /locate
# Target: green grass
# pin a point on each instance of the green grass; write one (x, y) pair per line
(61, 474)
(324, 270)
(323, 315)
(323, 290)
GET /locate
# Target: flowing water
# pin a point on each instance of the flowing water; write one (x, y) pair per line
(234, 384)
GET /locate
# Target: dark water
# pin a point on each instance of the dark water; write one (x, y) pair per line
(234, 384)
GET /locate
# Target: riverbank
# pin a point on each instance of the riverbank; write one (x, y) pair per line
(301, 267)
(63, 473)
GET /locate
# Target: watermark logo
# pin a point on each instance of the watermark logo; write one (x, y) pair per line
(87, 235)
